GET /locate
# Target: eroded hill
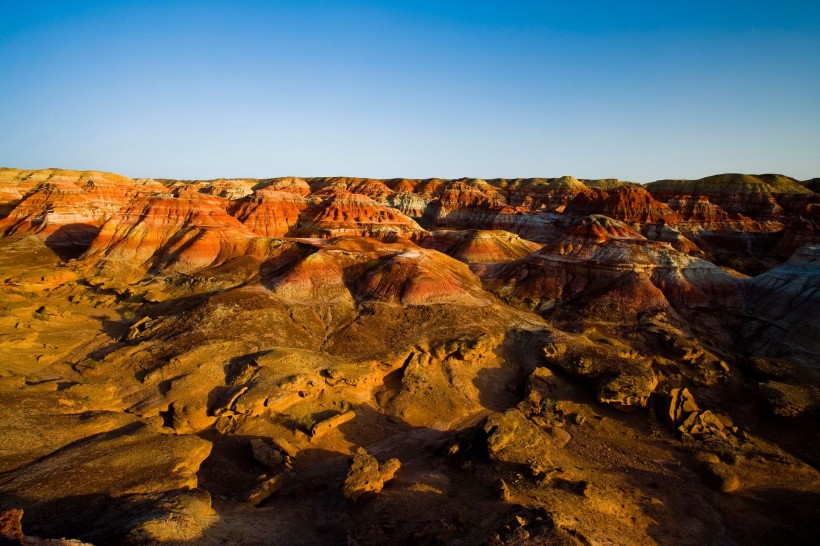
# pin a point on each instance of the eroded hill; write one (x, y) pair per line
(358, 361)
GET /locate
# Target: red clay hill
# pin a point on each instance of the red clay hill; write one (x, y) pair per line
(357, 361)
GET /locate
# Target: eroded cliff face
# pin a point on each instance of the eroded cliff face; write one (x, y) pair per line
(504, 361)
(735, 218)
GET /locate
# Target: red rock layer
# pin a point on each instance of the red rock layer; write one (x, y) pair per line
(751, 200)
(189, 231)
(67, 207)
(466, 202)
(731, 218)
(600, 253)
(627, 203)
(287, 184)
(532, 194)
(348, 270)
(375, 189)
(478, 246)
(339, 212)
(269, 212)
(420, 277)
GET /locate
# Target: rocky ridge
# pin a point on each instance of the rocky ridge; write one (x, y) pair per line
(347, 360)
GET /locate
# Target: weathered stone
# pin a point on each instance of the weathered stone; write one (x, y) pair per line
(675, 407)
(514, 439)
(504, 493)
(707, 457)
(388, 469)
(789, 400)
(628, 391)
(11, 526)
(558, 436)
(771, 368)
(285, 447)
(720, 477)
(322, 428)
(266, 454)
(543, 382)
(554, 351)
(366, 475)
(265, 489)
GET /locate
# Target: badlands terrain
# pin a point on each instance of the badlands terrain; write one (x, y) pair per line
(354, 361)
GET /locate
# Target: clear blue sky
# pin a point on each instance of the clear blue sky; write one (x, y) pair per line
(633, 90)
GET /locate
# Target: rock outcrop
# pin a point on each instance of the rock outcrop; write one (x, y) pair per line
(628, 203)
(553, 360)
(340, 212)
(605, 257)
(478, 246)
(366, 475)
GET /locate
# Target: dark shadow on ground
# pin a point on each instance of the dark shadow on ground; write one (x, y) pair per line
(71, 240)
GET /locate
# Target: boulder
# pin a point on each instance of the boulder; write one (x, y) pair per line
(265, 453)
(720, 476)
(514, 439)
(322, 428)
(710, 427)
(673, 408)
(628, 391)
(366, 475)
(265, 489)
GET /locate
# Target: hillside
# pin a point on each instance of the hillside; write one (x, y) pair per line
(356, 361)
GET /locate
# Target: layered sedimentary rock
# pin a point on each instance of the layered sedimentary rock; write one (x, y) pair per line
(627, 203)
(601, 255)
(786, 298)
(736, 218)
(466, 202)
(375, 189)
(505, 361)
(340, 212)
(761, 198)
(346, 270)
(185, 232)
(270, 212)
(67, 207)
(478, 246)
(803, 231)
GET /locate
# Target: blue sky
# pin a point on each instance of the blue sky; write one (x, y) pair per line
(630, 90)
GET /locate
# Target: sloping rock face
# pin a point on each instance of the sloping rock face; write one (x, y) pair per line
(185, 232)
(471, 202)
(349, 270)
(552, 361)
(786, 299)
(477, 246)
(746, 215)
(761, 198)
(600, 255)
(340, 212)
(540, 193)
(812, 184)
(270, 212)
(628, 203)
(66, 208)
(97, 475)
(804, 231)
